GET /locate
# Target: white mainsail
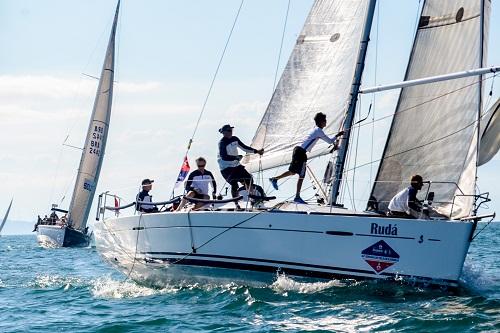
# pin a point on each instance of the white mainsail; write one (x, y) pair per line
(6, 215)
(434, 129)
(95, 143)
(490, 134)
(317, 78)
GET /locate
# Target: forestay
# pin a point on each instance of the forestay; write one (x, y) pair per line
(490, 134)
(434, 129)
(95, 143)
(317, 78)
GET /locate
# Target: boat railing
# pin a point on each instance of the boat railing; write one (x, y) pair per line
(479, 199)
(102, 206)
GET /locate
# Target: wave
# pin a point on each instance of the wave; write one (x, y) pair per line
(284, 283)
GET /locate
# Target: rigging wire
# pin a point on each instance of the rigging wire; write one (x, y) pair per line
(215, 75)
(374, 96)
(274, 87)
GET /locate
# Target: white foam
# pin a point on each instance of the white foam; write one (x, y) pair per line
(474, 278)
(55, 281)
(284, 284)
(106, 287)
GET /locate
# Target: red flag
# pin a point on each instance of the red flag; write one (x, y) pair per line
(184, 172)
(117, 203)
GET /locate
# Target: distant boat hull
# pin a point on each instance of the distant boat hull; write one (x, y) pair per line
(312, 245)
(61, 236)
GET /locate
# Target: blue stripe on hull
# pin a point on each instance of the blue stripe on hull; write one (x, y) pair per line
(275, 266)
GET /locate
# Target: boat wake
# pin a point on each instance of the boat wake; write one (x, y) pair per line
(107, 287)
(475, 280)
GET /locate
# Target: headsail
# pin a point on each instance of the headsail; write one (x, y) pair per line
(317, 78)
(95, 143)
(490, 134)
(434, 129)
(6, 215)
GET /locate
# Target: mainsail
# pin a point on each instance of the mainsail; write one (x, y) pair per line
(6, 215)
(434, 129)
(95, 143)
(317, 78)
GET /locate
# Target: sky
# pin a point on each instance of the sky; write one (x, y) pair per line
(167, 52)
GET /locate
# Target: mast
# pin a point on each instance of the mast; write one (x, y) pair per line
(95, 142)
(349, 118)
(480, 104)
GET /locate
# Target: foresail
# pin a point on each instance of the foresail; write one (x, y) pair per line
(490, 134)
(6, 216)
(434, 129)
(95, 143)
(317, 78)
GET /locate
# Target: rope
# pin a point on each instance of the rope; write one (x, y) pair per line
(487, 224)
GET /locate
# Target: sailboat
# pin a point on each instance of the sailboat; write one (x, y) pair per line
(71, 229)
(440, 138)
(6, 216)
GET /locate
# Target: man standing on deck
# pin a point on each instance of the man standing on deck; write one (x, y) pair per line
(229, 160)
(299, 156)
(406, 200)
(144, 197)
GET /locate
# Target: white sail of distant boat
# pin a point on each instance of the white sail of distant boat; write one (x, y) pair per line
(317, 78)
(6, 216)
(434, 129)
(74, 231)
(95, 142)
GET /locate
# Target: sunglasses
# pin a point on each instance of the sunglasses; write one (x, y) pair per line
(201, 166)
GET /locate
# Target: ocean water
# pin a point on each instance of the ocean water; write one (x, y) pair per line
(72, 290)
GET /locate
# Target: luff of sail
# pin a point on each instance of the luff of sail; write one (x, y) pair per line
(95, 142)
(490, 134)
(6, 216)
(434, 129)
(317, 78)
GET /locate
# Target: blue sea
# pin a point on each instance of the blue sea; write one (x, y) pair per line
(72, 290)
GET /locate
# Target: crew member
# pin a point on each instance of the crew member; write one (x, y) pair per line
(144, 197)
(229, 160)
(299, 156)
(197, 184)
(405, 201)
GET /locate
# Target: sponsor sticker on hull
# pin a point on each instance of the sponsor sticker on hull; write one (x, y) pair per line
(380, 256)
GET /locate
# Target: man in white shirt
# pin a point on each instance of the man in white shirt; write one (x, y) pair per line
(405, 201)
(197, 185)
(299, 157)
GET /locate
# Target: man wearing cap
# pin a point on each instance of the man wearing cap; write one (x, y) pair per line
(229, 159)
(145, 197)
(197, 184)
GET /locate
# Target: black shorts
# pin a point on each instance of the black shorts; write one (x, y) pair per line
(236, 174)
(198, 194)
(299, 161)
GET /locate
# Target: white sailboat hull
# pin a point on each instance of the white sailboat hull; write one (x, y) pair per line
(316, 245)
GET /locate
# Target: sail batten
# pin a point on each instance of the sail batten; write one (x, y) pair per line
(95, 143)
(317, 78)
(438, 137)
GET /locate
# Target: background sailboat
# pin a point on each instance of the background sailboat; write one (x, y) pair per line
(71, 229)
(6, 216)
